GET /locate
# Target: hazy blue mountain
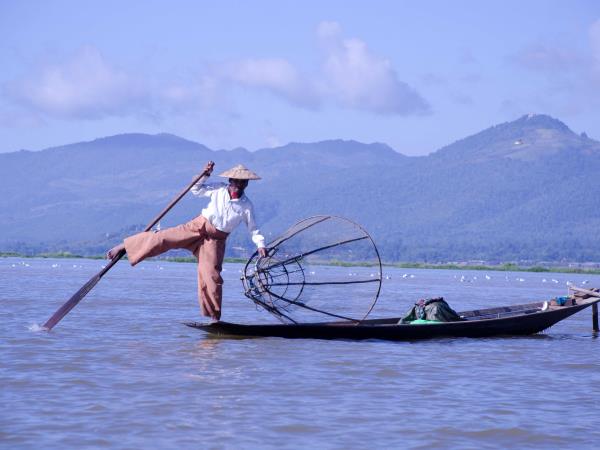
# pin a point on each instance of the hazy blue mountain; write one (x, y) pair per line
(530, 138)
(520, 190)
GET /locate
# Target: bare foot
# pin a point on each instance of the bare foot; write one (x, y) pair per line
(115, 250)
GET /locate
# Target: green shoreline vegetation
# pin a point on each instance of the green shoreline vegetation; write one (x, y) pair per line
(506, 267)
(68, 255)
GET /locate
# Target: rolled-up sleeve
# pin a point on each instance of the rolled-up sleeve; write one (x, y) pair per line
(205, 189)
(255, 234)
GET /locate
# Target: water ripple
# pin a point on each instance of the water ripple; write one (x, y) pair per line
(120, 371)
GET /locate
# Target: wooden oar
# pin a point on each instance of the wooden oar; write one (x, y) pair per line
(87, 287)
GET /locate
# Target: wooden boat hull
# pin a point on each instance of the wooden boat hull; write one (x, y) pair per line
(505, 321)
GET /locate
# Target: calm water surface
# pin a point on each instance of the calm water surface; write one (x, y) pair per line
(121, 371)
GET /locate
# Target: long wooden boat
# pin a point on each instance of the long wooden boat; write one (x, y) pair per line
(503, 321)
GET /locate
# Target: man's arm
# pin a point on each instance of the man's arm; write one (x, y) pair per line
(203, 189)
(257, 237)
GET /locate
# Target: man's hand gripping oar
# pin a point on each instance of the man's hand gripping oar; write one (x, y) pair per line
(117, 253)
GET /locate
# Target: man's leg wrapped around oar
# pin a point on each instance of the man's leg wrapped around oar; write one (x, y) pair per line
(201, 238)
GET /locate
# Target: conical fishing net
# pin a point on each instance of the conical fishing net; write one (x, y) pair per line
(323, 268)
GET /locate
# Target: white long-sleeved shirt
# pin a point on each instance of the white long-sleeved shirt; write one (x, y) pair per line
(226, 213)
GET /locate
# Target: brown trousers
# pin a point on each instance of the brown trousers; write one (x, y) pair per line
(201, 238)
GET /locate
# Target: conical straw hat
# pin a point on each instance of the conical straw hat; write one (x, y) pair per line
(240, 172)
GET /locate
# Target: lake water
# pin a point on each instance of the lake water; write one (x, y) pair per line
(121, 371)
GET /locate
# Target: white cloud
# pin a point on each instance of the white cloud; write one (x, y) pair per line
(205, 92)
(356, 78)
(350, 76)
(276, 75)
(86, 87)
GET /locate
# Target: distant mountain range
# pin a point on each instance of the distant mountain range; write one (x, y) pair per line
(521, 190)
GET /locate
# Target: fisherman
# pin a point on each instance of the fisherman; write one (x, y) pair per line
(205, 235)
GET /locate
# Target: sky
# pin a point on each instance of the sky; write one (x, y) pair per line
(413, 75)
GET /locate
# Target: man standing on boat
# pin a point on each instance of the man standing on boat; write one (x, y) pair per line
(205, 235)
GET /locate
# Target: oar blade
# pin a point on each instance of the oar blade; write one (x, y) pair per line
(81, 293)
(71, 303)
